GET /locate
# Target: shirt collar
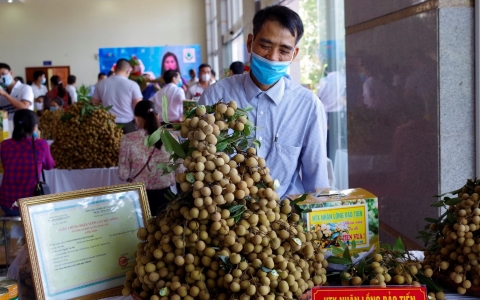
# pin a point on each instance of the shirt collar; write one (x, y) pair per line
(275, 93)
(16, 86)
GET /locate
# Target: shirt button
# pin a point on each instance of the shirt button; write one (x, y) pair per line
(261, 112)
(259, 138)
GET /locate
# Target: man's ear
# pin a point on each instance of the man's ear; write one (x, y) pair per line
(295, 52)
(249, 43)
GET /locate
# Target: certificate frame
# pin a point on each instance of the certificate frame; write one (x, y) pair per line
(102, 203)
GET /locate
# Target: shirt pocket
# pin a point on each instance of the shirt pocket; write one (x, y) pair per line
(284, 163)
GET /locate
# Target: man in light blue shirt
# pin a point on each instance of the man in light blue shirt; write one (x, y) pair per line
(290, 119)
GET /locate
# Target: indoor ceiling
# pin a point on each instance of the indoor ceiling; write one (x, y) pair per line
(11, 1)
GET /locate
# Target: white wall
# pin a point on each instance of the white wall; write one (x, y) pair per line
(69, 32)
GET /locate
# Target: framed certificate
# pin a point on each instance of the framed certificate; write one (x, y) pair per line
(82, 243)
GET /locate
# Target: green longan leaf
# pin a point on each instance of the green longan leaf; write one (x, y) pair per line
(172, 167)
(453, 201)
(354, 245)
(431, 220)
(451, 218)
(250, 124)
(108, 108)
(346, 253)
(257, 144)
(162, 166)
(337, 251)
(165, 109)
(438, 204)
(361, 268)
(84, 108)
(266, 270)
(191, 113)
(171, 144)
(398, 246)
(243, 144)
(153, 138)
(221, 146)
(339, 261)
(234, 208)
(431, 285)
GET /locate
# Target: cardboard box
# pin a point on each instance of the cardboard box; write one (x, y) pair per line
(348, 215)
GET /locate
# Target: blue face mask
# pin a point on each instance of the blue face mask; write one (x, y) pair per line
(268, 72)
(35, 135)
(52, 108)
(180, 83)
(44, 80)
(6, 80)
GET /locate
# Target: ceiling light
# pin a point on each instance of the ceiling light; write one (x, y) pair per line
(10, 1)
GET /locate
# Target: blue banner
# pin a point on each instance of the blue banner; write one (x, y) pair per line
(154, 60)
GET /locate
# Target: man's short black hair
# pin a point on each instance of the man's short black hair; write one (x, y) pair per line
(169, 75)
(37, 74)
(287, 18)
(237, 67)
(5, 66)
(71, 79)
(122, 65)
(110, 73)
(100, 75)
(204, 66)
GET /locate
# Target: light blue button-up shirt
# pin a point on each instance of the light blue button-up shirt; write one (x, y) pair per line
(291, 126)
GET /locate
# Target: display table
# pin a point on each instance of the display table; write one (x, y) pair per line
(67, 181)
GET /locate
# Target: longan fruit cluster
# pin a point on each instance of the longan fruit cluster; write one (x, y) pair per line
(229, 236)
(48, 123)
(86, 141)
(458, 254)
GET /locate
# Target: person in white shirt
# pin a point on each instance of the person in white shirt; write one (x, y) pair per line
(38, 84)
(193, 77)
(101, 76)
(72, 91)
(195, 91)
(14, 95)
(175, 96)
(121, 93)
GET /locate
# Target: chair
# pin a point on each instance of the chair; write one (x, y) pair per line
(4, 220)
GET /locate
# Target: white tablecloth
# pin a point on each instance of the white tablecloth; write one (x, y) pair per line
(66, 181)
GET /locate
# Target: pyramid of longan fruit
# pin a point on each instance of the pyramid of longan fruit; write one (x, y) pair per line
(227, 236)
(86, 137)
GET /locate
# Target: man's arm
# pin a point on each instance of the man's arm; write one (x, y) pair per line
(96, 96)
(137, 95)
(314, 150)
(17, 103)
(135, 101)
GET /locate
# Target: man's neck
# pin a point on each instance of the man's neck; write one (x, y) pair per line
(38, 83)
(204, 84)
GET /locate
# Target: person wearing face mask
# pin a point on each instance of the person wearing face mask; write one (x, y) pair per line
(14, 95)
(195, 91)
(56, 104)
(19, 178)
(175, 95)
(121, 93)
(38, 84)
(290, 119)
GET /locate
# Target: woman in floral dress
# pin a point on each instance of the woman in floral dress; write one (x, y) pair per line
(138, 163)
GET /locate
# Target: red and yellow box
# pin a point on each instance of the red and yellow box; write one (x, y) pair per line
(370, 293)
